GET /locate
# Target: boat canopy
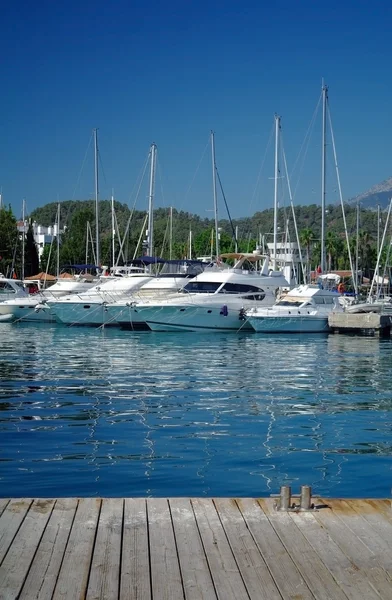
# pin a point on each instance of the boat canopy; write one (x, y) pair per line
(147, 260)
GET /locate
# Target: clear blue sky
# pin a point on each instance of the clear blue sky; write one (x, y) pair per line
(169, 72)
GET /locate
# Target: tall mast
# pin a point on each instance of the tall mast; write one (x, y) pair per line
(97, 258)
(378, 240)
(357, 248)
(277, 128)
(215, 195)
(323, 171)
(58, 240)
(113, 233)
(23, 238)
(150, 241)
(171, 233)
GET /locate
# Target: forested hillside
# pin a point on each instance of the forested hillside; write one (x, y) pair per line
(260, 223)
(78, 241)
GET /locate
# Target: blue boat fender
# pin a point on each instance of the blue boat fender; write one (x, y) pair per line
(224, 311)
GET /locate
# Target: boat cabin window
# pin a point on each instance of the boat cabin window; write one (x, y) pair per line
(6, 288)
(239, 288)
(288, 303)
(201, 287)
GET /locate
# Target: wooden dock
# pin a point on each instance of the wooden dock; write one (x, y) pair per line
(159, 548)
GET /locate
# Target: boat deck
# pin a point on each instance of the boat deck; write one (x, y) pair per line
(229, 549)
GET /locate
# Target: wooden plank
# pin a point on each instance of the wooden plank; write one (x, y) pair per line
(3, 504)
(348, 564)
(257, 578)
(16, 564)
(45, 567)
(74, 572)
(287, 577)
(165, 569)
(383, 505)
(135, 567)
(105, 568)
(356, 548)
(365, 531)
(317, 576)
(10, 521)
(380, 525)
(224, 570)
(195, 573)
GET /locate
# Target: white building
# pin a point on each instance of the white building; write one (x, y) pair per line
(42, 235)
(287, 255)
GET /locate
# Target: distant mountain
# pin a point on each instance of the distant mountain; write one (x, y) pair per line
(380, 193)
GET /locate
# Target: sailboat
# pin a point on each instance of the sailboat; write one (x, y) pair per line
(306, 307)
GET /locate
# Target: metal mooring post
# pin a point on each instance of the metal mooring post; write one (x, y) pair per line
(306, 497)
(285, 497)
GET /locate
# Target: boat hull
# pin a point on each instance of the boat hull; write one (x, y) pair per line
(290, 324)
(87, 314)
(25, 312)
(194, 318)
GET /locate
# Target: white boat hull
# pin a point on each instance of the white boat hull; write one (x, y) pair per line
(290, 324)
(24, 311)
(194, 318)
(90, 313)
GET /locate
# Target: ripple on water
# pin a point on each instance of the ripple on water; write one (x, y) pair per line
(108, 412)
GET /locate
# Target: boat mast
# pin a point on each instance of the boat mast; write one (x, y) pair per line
(150, 231)
(215, 195)
(357, 248)
(113, 233)
(378, 241)
(323, 174)
(171, 233)
(277, 128)
(97, 258)
(23, 238)
(58, 240)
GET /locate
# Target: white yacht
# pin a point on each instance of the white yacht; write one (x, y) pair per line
(215, 299)
(92, 308)
(10, 290)
(33, 307)
(303, 309)
(164, 285)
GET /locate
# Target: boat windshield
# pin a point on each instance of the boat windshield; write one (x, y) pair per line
(7, 288)
(289, 303)
(201, 287)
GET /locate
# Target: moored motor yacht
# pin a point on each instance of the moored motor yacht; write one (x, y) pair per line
(305, 308)
(215, 299)
(92, 308)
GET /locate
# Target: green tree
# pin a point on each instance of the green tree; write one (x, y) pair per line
(9, 241)
(306, 238)
(333, 247)
(73, 246)
(31, 253)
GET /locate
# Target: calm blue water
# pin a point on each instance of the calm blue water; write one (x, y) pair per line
(87, 412)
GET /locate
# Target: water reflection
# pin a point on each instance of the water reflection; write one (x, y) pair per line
(86, 411)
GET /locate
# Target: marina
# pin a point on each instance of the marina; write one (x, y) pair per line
(188, 548)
